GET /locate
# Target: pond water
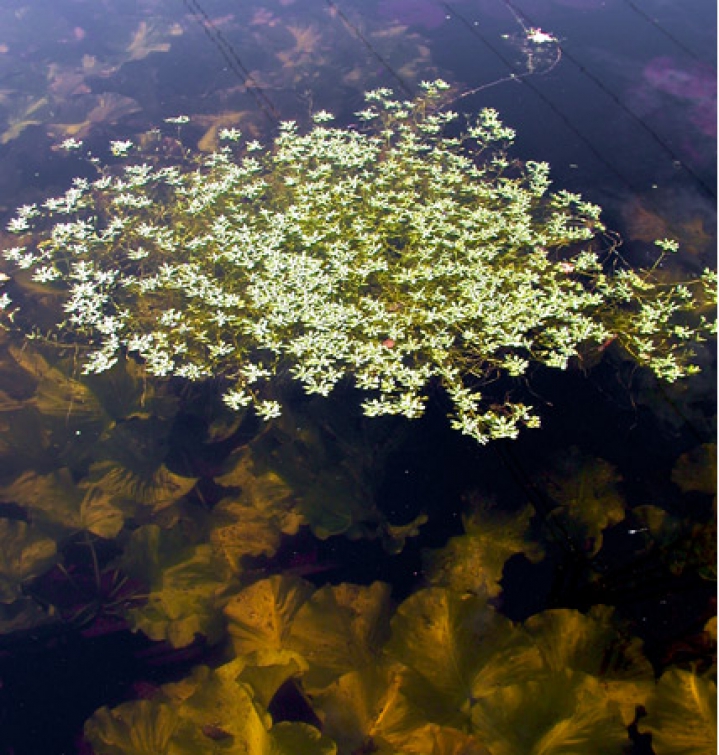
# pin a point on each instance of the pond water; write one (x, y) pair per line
(388, 582)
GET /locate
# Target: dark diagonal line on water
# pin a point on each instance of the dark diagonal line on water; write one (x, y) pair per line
(232, 59)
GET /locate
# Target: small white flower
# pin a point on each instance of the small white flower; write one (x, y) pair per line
(230, 134)
(71, 144)
(322, 116)
(120, 149)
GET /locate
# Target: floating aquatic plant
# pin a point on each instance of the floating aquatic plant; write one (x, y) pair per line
(398, 256)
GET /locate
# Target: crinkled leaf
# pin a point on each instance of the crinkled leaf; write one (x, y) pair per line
(696, 470)
(590, 500)
(568, 639)
(131, 466)
(455, 648)
(681, 714)
(340, 628)
(143, 727)
(265, 671)
(259, 616)
(365, 711)
(187, 585)
(25, 553)
(565, 713)
(58, 395)
(354, 707)
(209, 711)
(251, 521)
(473, 563)
(61, 505)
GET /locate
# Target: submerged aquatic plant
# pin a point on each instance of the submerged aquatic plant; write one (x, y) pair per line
(396, 256)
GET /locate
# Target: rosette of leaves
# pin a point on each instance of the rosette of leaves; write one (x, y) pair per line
(396, 257)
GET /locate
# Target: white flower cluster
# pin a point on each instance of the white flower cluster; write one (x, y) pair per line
(395, 257)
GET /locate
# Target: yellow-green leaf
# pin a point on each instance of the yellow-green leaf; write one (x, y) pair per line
(682, 714)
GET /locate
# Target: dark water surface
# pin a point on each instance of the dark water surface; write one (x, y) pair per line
(618, 96)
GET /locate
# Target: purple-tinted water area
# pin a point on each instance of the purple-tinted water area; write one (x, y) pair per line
(693, 83)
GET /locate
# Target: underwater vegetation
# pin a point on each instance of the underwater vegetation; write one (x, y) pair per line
(209, 358)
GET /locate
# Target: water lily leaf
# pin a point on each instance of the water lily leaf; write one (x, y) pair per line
(61, 506)
(568, 639)
(340, 628)
(456, 648)
(251, 521)
(696, 470)
(259, 616)
(566, 712)
(143, 727)
(681, 714)
(365, 711)
(210, 711)
(266, 671)
(131, 469)
(473, 563)
(354, 708)
(589, 497)
(327, 463)
(58, 395)
(187, 585)
(125, 393)
(25, 553)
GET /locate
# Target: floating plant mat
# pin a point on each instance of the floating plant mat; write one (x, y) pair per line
(326, 581)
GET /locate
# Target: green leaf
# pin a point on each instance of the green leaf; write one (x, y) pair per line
(564, 713)
(209, 711)
(455, 648)
(259, 616)
(681, 714)
(590, 500)
(57, 395)
(251, 521)
(340, 628)
(696, 470)
(144, 727)
(265, 671)
(187, 586)
(473, 563)
(63, 507)
(130, 467)
(568, 639)
(25, 553)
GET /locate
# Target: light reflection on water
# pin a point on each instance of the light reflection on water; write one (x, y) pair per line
(625, 116)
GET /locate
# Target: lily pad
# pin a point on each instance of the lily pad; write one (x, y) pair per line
(260, 616)
(563, 713)
(63, 507)
(681, 714)
(26, 553)
(210, 711)
(340, 628)
(187, 586)
(456, 648)
(473, 563)
(696, 470)
(589, 498)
